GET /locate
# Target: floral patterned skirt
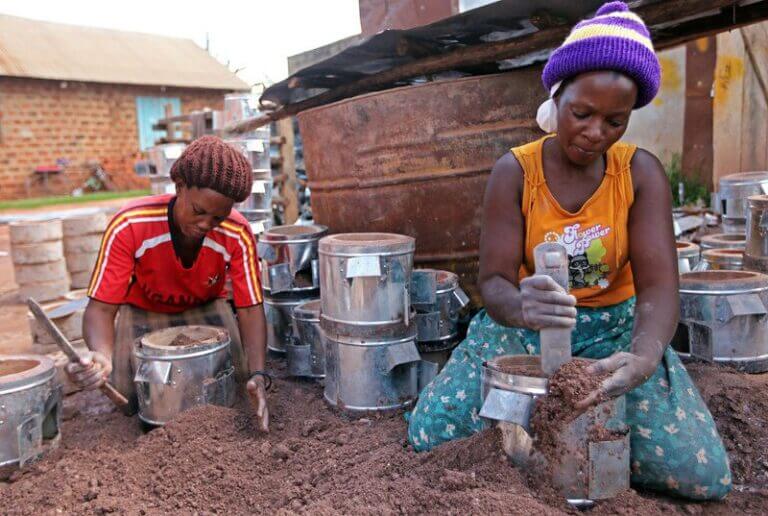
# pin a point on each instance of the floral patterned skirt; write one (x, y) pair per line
(675, 447)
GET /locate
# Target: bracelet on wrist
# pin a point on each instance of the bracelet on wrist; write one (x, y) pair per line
(267, 378)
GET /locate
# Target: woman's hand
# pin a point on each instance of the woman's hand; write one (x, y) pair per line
(257, 394)
(629, 371)
(545, 304)
(91, 372)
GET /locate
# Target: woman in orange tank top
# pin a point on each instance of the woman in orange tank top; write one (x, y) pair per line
(609, 204)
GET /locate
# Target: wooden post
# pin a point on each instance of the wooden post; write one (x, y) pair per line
(697, 133)
(288, 191)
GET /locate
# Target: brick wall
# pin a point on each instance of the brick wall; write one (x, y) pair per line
(42, 121)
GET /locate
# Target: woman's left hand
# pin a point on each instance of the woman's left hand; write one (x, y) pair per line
(629, 370)
(257, 394)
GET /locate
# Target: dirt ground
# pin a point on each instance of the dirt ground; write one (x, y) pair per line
(211, 461)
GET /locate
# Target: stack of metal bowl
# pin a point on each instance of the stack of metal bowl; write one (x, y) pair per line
(372, 362)
(437, 298)
(290, 277)
(255, 146)
(732, 197)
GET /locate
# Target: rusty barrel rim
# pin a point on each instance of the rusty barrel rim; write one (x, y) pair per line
(22, 372)
(722, 282)
(293, 234)
(359, 244)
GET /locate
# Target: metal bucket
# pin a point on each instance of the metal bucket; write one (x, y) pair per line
(173, 376)
(365, 278)
(30, 410)
(734, 191)
(688, 255)
(373, 375)
(756, 252)
(306, 354)
(261, 193)
(509, 400)
(725, 313)
(723, 241)
(289, 258)
(720, 260)
(437, 299)
(278, 311)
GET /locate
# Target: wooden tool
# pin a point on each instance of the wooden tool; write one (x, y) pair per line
(552, 260)
(109, 391)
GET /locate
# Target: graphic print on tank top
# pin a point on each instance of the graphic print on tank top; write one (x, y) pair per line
(586, 251)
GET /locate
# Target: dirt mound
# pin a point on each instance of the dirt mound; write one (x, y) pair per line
(211, 460)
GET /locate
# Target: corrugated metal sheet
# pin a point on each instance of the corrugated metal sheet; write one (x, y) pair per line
(44, 50)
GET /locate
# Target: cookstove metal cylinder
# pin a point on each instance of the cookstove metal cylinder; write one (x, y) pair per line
(365, 278)
(180, 368)
(756, 252)
(726, 317)
(30, 410)
(289, 258)
(733, 193)
(306, 353)
(723, 241)
(437, 299)
(721, 260)
(587, 470)
(373, 374)
(688, 255)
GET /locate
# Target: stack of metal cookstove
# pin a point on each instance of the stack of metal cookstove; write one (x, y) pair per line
(290, 278)
(437, 299)
(724, 301)
(371, 362)
(255, 146)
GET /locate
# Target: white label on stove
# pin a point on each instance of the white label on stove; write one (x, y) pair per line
(255, 145)
(363, 266)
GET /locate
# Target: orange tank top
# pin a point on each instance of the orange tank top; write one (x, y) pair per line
(596, 237)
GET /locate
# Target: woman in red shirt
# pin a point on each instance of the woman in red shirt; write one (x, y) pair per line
(163, 262)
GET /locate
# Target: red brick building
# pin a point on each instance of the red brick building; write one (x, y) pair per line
(84, 94)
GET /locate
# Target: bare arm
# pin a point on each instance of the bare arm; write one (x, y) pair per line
(253, 332)
(653, 257)
(99, 327)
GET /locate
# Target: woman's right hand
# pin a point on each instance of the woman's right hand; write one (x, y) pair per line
(545, 304)
(91, 372)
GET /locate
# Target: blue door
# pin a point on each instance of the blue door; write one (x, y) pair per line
(148, 111)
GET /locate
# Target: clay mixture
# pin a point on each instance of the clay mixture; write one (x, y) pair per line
(212, 461)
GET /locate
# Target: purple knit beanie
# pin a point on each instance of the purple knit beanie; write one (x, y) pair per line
(615, 39)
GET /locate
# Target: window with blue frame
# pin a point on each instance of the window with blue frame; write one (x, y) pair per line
(148, 111)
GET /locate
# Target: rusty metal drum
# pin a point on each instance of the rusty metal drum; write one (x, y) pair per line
(421, 171)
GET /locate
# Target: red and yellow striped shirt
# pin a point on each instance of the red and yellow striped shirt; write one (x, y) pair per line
(137, 264)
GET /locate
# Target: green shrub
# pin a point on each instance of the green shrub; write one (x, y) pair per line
(694, 191)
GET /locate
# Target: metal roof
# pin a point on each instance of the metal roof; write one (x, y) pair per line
(499, 23)
(45, 50)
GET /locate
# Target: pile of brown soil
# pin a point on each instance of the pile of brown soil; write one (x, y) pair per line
(569, 385)
(211, 460)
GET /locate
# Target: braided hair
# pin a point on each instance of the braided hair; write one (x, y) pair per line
(208, 162)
